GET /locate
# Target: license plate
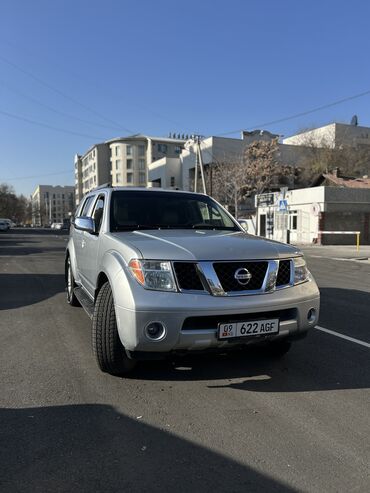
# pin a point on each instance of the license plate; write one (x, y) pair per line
(250, 328)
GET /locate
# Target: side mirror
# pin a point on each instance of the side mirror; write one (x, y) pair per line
(85, 224)
(244, 225)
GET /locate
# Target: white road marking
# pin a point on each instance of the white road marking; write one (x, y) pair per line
(342, 336)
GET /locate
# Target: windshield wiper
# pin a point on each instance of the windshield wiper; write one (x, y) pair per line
(212, 226)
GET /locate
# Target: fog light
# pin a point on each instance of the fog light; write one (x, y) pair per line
(311, 315)
(155, 331)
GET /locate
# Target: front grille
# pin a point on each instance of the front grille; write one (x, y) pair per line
(283, 276)
(187, 276)
(226, 272)
(211, 321)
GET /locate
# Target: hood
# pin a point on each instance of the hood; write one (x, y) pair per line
(204, 245)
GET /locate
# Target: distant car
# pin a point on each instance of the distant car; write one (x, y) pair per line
(57, 226)
(9, 222)
(4, 226)
(163, 272)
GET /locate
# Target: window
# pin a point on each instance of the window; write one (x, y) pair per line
(129, 163)
(172, 181)
(132, 210)
(177, 149)
(97, 214)
(162, 148)
(293, 220)
(129, 177)
(142, 178)
(118, 163)
(129, 150)
(118, 177)
(141, 150)
(141, 163)
(86, 206)
(118, 151)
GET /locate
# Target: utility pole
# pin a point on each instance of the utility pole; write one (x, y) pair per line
(199, 162)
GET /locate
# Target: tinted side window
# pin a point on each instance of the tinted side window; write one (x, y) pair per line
(97, 214)
(86, 206)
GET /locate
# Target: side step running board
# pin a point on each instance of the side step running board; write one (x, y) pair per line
(85, 300)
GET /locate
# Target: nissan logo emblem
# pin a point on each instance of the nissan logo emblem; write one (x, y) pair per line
(243, 276)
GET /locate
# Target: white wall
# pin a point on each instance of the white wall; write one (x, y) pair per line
(320, 137)
(164, 169)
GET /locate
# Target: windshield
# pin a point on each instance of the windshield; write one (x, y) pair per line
(131, 210)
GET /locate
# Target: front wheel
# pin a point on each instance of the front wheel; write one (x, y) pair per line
(107, 347)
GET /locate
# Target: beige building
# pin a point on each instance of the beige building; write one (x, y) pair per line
(52, 204)
(130, 157)
(122, 161)
(91, 169)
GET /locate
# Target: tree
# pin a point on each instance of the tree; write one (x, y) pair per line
(257, 170)
(323, 156)
(264, 167)
(12, 206)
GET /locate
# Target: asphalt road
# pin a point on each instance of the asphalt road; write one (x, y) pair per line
(238, 423)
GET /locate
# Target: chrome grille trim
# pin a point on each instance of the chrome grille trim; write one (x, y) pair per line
(212, 285)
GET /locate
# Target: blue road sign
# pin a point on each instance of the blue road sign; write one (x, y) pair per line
(283, 205)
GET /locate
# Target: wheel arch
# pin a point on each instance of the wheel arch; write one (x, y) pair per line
(101, 280)
(113, 269)
(70, 254)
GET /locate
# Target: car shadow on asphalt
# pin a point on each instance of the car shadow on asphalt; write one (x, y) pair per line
(319, 363)
(17, 290)
(86, 448)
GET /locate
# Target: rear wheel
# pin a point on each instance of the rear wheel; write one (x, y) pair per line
(70, 282)
(107, 347)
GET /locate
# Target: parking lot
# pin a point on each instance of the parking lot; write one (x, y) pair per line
(235, 423)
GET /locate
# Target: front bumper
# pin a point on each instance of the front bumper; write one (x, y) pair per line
(173, 309)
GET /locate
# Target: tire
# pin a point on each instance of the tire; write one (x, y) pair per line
(107, 347)
(278, 349)
(70, 285)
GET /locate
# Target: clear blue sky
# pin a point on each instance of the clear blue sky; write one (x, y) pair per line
(159, 66)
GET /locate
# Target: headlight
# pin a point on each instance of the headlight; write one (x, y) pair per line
(153, 274)
(301, 273)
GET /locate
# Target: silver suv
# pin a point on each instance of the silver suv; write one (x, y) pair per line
(165, 272)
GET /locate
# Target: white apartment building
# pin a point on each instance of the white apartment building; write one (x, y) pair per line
(294, 151)
(52, 204)
(179, 173)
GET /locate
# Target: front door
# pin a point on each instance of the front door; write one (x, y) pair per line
(89, 259)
